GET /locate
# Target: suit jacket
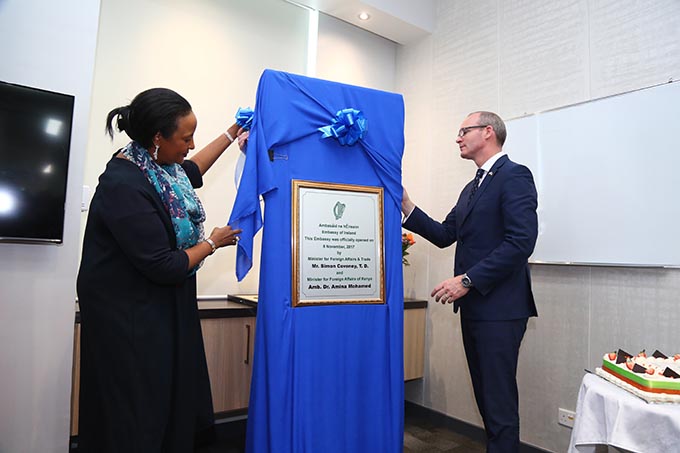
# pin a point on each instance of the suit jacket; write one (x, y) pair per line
(495, 234)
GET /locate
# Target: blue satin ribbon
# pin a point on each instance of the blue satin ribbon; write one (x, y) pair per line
(244, 118)
(348, 126)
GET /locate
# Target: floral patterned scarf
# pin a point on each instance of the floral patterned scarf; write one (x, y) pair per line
(179, 198)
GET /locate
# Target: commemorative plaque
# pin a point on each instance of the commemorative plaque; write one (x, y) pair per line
(337, 244)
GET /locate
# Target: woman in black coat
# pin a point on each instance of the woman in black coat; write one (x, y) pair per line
(144, 380)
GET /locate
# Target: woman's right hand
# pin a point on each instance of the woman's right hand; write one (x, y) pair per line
(224, 236)
(220, 236)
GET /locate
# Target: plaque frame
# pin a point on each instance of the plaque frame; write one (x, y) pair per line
(373, 192)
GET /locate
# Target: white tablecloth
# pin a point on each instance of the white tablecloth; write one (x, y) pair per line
(607, 414)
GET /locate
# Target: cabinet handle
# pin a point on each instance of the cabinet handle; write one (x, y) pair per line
(247, 360)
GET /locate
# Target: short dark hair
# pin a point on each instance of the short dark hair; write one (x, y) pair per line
(151, 111)
(495, 122)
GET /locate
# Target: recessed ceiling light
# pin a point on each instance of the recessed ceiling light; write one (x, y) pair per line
(364, 15)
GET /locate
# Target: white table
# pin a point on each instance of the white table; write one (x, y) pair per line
(609, 415)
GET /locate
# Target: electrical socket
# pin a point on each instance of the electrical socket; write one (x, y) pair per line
(565, 417)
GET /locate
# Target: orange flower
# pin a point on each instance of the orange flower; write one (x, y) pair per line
(407, 241)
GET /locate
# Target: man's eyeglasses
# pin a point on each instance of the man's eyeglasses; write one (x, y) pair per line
(465, 130)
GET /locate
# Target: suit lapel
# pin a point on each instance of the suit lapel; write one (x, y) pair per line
(488, 180)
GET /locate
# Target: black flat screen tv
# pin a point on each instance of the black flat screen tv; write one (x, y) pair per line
(35, 139)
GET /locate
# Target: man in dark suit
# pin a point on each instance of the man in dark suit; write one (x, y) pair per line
(495, 226)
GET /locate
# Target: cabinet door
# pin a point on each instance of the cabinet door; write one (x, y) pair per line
(229, 351)
(75, 381)
(414, 343)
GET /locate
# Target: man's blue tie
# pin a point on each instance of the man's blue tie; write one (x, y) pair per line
(475, 184)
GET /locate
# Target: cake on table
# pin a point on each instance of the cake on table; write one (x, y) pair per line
(655, 378)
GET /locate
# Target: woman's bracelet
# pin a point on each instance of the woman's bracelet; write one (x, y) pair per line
(212, 245)
(231, 139)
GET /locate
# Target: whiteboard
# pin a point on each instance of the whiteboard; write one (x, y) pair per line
(606, 172)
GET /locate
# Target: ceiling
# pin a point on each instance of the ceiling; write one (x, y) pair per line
(401, 21)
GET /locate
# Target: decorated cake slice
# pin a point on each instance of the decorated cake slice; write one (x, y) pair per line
(654, 378)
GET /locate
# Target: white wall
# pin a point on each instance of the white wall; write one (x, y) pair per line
(211, 52)
(49, 45)
(516, 57)
(348, 54)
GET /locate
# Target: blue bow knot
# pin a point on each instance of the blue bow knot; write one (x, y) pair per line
(244, 118)
(348, 126)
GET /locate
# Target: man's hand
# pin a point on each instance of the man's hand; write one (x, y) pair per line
(449, 290)
(407, 205)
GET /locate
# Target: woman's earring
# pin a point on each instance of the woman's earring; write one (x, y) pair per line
(155, 153)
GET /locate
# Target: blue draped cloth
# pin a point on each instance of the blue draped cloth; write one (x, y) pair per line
(325, 378)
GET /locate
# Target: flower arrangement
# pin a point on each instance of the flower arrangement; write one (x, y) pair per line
(406, 242)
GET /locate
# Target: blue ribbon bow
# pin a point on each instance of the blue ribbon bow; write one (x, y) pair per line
(244, 118)
(348, 126)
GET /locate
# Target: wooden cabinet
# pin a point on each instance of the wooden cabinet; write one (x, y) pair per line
(229, 344)
(229, 338)
(414, 343)
(75, 381)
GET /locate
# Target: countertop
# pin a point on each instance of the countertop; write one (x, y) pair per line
(245, 305)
